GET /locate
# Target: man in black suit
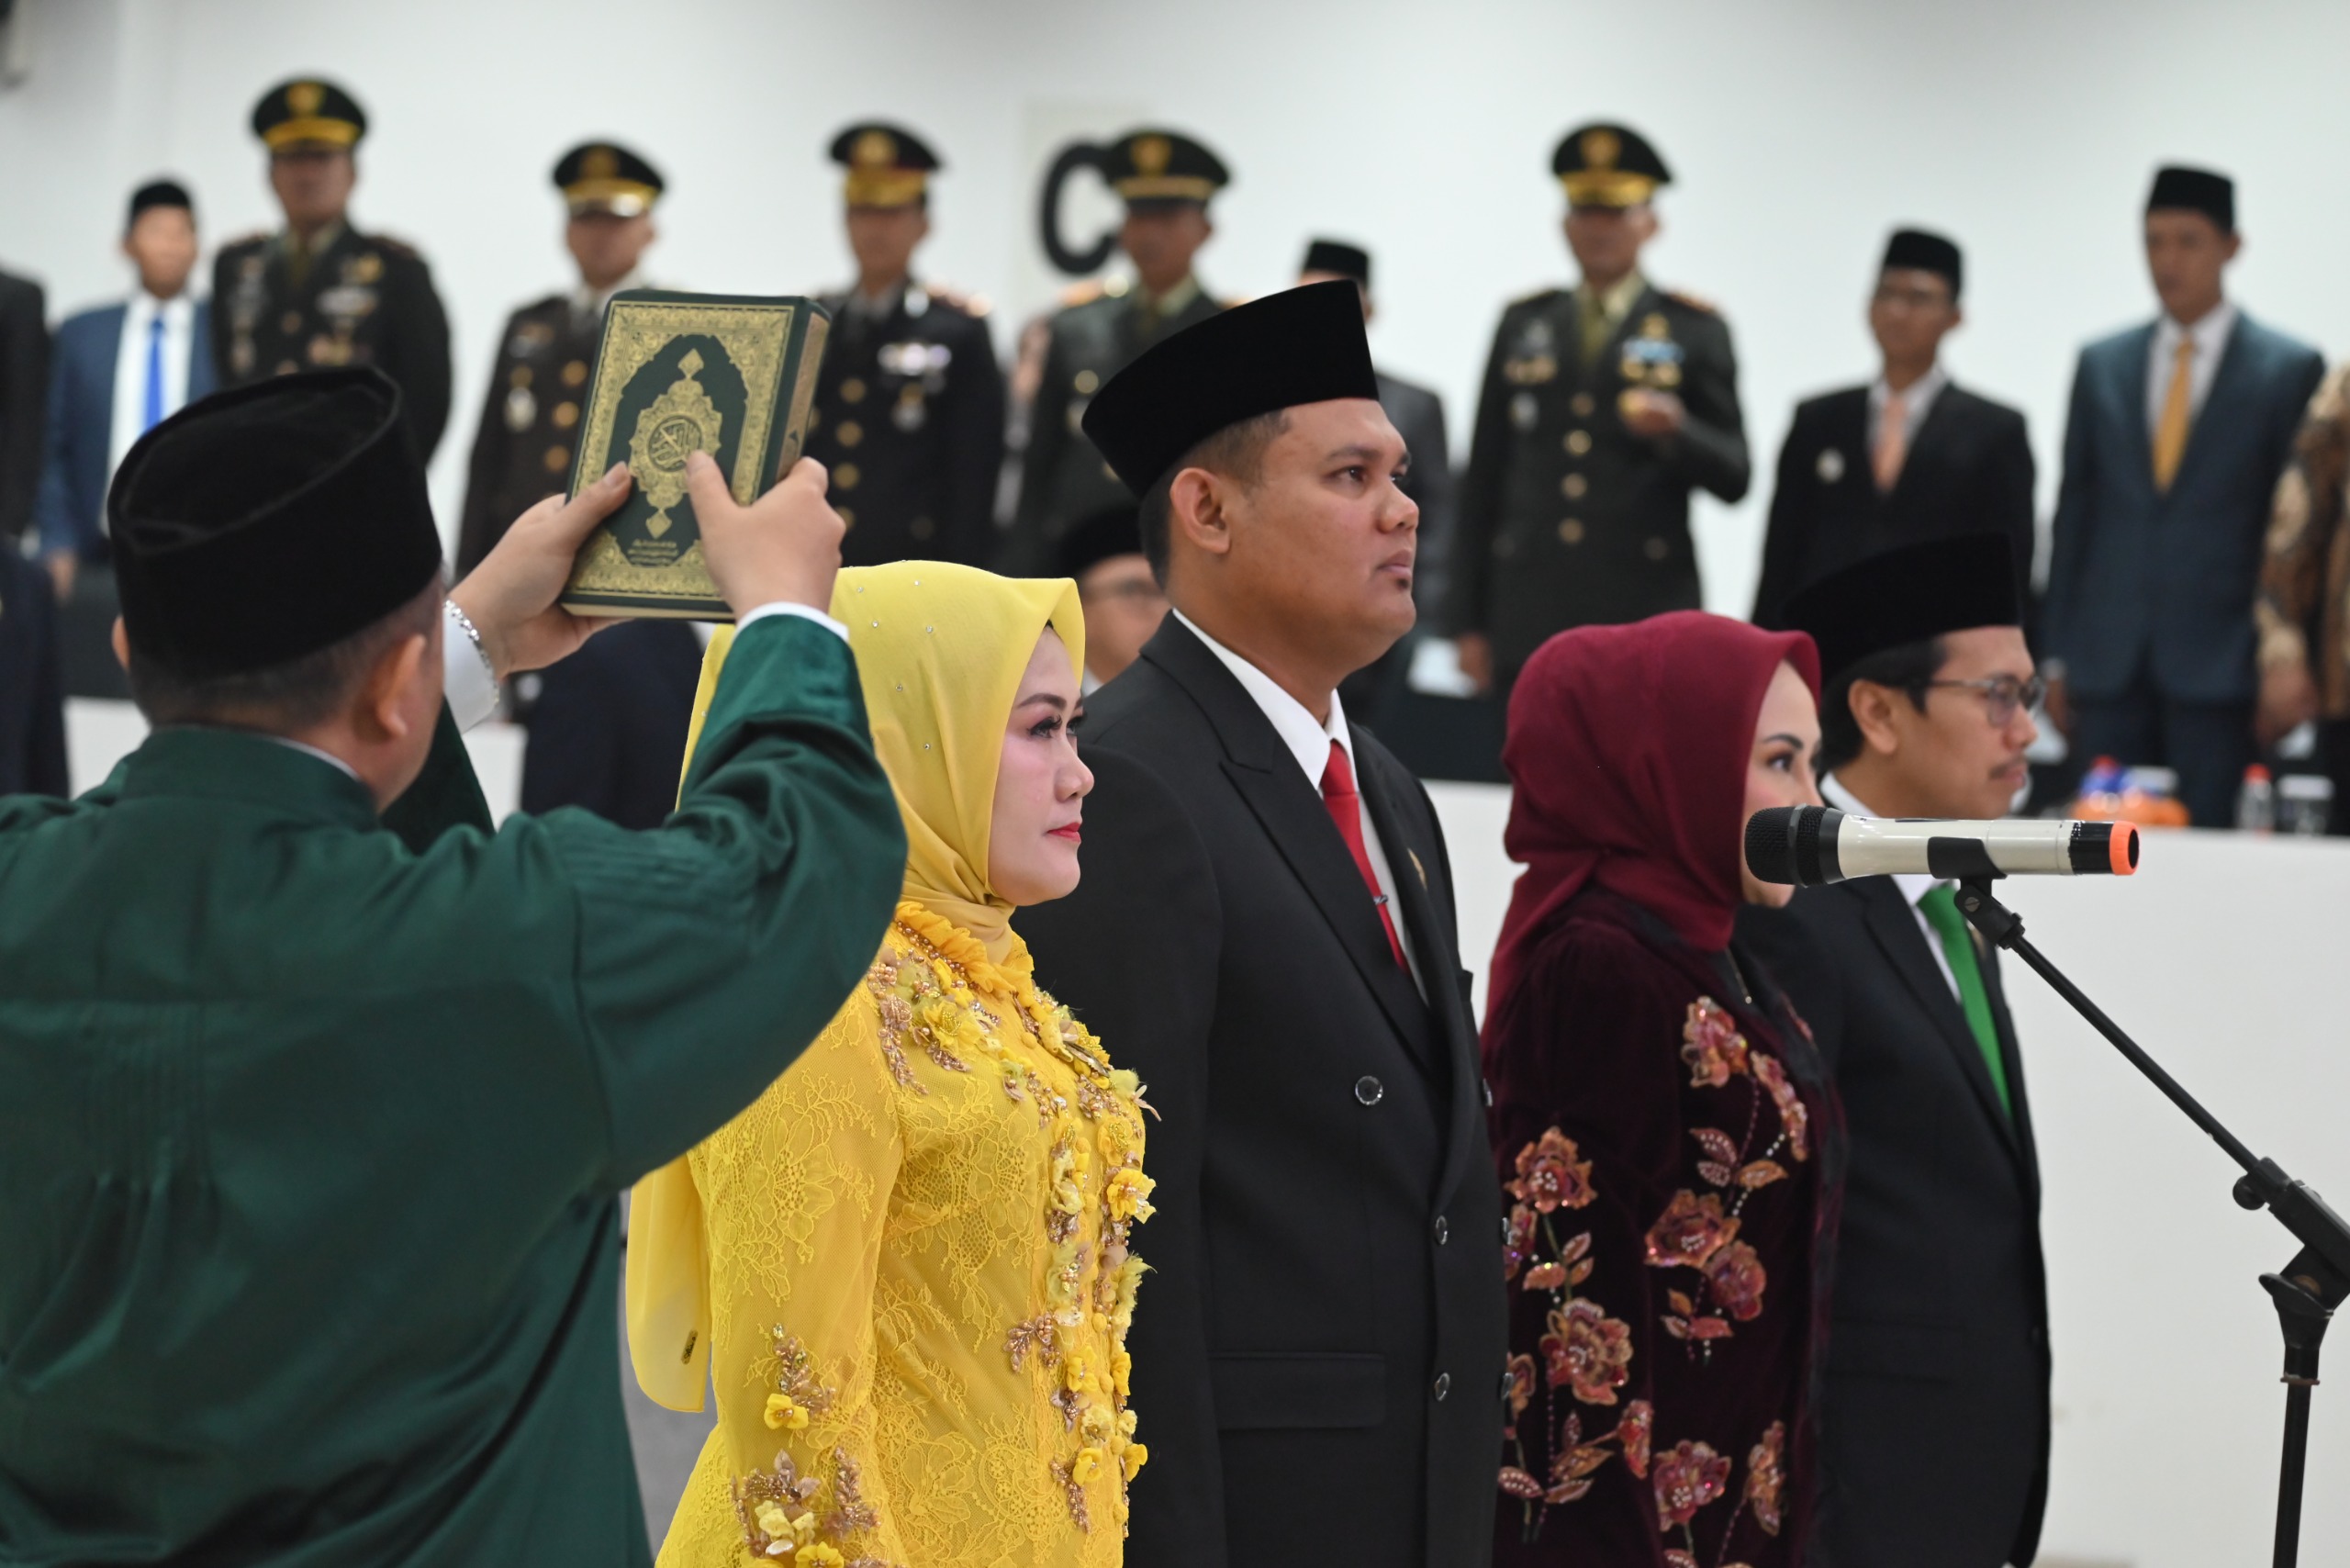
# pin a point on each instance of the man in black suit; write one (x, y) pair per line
(24, 401)
(1909, 456)
(1934, 1426)
(607, 725)
(1265, 934)
(32, 702)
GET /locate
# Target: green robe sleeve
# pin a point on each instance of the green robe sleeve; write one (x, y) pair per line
(445, 795)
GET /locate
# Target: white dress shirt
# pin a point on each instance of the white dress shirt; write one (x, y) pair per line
(178, 316)
(2211, 335)
(1917, 402)
(1914, 885)
(1309, 740)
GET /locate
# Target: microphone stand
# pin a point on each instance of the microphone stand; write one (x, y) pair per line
(2316, 1282)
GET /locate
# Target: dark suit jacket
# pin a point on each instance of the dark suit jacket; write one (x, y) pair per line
(32, 702)
(75, 472)
(1969, 471)
(24, 390)
(608, 729)
(2164, 580)
(1319, 1352)
(1935, 1431)
(1418, 414)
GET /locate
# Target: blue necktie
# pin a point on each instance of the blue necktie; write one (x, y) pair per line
(150, 412)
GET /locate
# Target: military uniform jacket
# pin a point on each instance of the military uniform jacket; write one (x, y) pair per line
(1319, 1350)
(1062, 478)
(1567, 518)
(530, 421)
(908, 418)
(364, 299)
(1934, 1422)
(314, 1125)
(1968, 470)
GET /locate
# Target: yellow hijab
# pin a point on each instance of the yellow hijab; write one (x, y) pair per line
(940, 650)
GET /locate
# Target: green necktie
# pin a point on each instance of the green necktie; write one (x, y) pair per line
(1595, 329)
(1940, 909)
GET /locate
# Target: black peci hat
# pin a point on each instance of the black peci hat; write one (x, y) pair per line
(1090, 541)
(2197, 190)
(1301, 345)
(1608, 165)
(161, 193)
(1918, 250)
(888, 165)
(604, 176)
(1338, 258)
(308, 111)
(1907, 594)
(271, 521)
(1148, 166)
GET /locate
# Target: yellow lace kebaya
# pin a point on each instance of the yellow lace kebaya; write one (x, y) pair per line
(906, 1268)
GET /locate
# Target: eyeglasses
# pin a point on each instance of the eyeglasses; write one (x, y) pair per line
(2001, 694)
(1137, 590)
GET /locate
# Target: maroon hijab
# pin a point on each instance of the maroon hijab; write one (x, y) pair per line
(1629, 748)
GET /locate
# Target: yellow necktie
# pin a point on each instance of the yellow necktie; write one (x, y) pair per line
(1892, 441)
(2170, 431)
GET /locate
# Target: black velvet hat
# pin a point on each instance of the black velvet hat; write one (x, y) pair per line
(604, 176)
(888, 165)
(1925, 253)
(1907, 595)
(271, 521)
(1148, 166)
(1608, 165)
(2197, 190)
(1093, 540)
(308, 110)
(1338, 257)
(1301, 345)
(160, 192)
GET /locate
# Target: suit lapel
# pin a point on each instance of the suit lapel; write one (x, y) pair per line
(2231, 388)
(2138, 440)
(1893, 924)
(1933, 432)
(2011, 1053)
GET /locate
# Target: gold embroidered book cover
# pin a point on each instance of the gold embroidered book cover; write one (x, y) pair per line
(729, 374)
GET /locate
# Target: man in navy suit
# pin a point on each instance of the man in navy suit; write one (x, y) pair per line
(117, 370)
(2177, 432)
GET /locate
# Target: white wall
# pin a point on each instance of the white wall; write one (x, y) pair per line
(1801, 131)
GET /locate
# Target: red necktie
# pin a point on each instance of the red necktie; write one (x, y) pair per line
(1346, 809)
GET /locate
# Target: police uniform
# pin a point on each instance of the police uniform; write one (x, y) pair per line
(530, 421)
(1063, 478)
(350, 298)
(1566, 517)
(910, 400)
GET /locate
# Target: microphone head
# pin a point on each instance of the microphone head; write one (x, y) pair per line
(1770, 844)
(2110, 848)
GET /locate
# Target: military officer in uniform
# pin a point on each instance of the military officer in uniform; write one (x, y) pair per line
(909, 413)
(530, 421)
(1166, 181)
(1604, 406)
(317, 293)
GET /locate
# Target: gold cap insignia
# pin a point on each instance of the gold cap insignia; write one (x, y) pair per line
(873, 149)
(303, 97)
(1151, 154)
(1601, 147)
(600, 164)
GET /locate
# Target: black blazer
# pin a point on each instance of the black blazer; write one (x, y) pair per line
(32, 702)
(1318, 1352)
(1934, 1425)
(1969, 471)
(24, 400)
(608, 729)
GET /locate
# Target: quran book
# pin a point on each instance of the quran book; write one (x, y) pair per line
(730, 375)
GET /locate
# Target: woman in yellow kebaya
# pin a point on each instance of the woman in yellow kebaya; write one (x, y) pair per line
(906, 1268)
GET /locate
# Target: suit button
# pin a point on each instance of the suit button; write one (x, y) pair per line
(922, 528)
(575, 373)
(1574, 486)
(1571, 532)
(849, 433)
(1656, 549)
(852, 391)
(565, 415)
(1087, 383)
(292, 324)
(556, 459)
(1368, 1090)
(849, 518)
(1578, 442)
(1443, 1230)
(1583, 405)
(1443, 1385)
(844, 477)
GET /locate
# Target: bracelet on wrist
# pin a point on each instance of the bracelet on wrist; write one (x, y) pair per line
(473, 634)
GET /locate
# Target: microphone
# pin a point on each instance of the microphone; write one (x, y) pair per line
(1807, 845)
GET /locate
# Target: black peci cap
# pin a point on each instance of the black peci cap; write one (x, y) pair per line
(1148, 166)
(1608, 165)
(1338, 257)
(161, 193)
(1918, 250)
(1093, 540)
(1907, 594)
(308, 111)
(266, 523)
(888, 165)
(604, 176)
(2197, 190)
(1301, 345)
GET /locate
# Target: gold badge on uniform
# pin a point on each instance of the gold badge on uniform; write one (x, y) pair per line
(522, 410)
(365, 268)
(1831, 466)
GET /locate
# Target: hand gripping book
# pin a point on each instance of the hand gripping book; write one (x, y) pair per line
(730, 375)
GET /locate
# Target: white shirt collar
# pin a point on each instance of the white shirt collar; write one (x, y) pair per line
(1916, 398)
(1914, 885)
(590, 301)
(1307, 738)
(2211, 335)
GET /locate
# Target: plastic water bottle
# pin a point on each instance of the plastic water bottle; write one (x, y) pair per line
(2256, 802)
(2304, 804)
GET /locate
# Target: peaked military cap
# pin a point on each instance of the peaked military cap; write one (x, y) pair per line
(160, 192)
(1301, 345)
(1113, 532)
(1146, 166)
(1925, 253)
(888, 165)
(268, 522)
(309, 110)
(1608, 165)
(1903, 596)
(604, 176)
(1338, 258)
(2197, 190)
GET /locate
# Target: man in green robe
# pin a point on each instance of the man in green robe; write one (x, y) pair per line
(312, 1120)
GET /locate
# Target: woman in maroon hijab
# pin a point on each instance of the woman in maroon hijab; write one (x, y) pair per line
(1667, 1135)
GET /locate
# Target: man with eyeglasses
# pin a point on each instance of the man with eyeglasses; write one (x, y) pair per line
(1934, 1429)
(1124, 602)
(1909, 456)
